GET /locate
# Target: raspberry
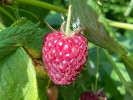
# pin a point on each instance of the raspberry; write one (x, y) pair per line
(101, 95)
(88, 95)
(64, 56)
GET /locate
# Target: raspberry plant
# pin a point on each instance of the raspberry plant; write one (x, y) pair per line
(24, 45)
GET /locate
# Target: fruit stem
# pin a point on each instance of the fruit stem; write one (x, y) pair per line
(95, 89)
(68, 20)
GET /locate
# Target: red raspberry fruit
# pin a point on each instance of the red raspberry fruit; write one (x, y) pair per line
(101, 95)
(64, 56)
(88, 95)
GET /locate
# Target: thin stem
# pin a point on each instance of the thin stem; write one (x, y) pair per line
(68, 20)
(120, 24)
(96, 81)
(43, 5)
(118, 72)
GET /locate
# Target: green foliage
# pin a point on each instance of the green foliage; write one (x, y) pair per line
(21, 33)
(22, 79)
(52, 19)
(14, 14)
(39, 12)
(18, 77)
(97, 32)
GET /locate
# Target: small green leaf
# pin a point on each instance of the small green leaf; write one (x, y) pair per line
(18, 77)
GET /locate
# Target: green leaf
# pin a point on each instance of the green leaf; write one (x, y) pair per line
(124, 82)
(128, 61)
(126, 42)
(128, 96)
(54, 19)
(68, 93)
(122, 69)
(21, 33)
(88, 13)
(18, 77)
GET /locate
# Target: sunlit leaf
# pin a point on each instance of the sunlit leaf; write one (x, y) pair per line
(18, 77)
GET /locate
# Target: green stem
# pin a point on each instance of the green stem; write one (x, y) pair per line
(120, 24)
(2, 27)
(43, 5)
(68, 20)
(118, 72)
(64, 11)
(96, 81)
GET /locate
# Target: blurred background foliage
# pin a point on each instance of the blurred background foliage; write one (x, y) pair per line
(117, 10)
